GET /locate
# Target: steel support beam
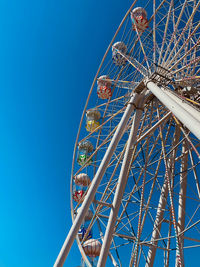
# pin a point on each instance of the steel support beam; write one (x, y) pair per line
(157, 225)
(162, 204)
(187, 106)
(95, 183)
(182, 195)
(173, 104)
(120, 189)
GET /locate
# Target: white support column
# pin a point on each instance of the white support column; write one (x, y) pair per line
(193, 111)
(162, 203)
(180, 111)
(95, 183)
(157, 225)
(120, 189)
(182, 195)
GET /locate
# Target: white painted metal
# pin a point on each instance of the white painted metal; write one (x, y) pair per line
(157, 225)
(194, 112)
(179, 111)
(182, 195)
(195, 174)
(161, 205)
(95, 183)
(120, 189)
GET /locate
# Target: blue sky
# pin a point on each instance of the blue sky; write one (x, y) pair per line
(49, 54)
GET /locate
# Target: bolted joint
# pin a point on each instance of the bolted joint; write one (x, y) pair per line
(135, 99)
(138, 100)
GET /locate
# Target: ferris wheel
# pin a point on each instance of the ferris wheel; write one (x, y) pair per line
(135, 186)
